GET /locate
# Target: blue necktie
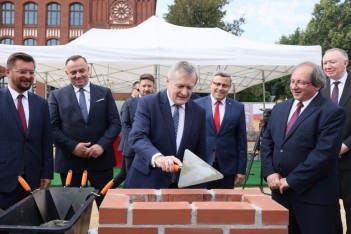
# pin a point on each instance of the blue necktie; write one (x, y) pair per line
(176, 119)
(83, 105)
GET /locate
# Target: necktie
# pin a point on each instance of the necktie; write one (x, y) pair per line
(176, 119)
(20, 110)
(83, 105)
(335, 94)
(294, 117)
(217, 119)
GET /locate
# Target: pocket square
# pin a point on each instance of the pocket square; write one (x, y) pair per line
(101, 99)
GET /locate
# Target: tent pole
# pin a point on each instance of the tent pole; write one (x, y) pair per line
(157, 68)
(234, 92)
(264, 90)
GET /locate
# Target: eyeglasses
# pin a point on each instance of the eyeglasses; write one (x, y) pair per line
(24, 72)
(300, 83)
(217, 84)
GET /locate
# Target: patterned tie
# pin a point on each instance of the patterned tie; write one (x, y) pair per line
(176, 119)
(20, 110)
(294, 117)
(216, 118)
(335, 94)
(83, 105)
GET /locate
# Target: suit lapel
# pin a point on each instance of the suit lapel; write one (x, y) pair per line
(209, 113)
(167, 116)
(346, 95)
(93, 99)
(227, 113)
(188, 121)
(13, 111)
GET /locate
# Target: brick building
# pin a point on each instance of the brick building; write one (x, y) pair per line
(57, 22)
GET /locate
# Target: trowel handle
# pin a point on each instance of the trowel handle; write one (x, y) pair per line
(68, 178)
(107, 187)
(176, 168)
(84, 179)
(24, 184)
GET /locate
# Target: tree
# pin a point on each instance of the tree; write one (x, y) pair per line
(202, 13)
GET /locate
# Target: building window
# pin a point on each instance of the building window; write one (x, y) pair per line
(76, 15)
(4, 82)
(54, 14)
(31, 13)
(52, 42)
(30, 42)
(7, 41)
(8, 13)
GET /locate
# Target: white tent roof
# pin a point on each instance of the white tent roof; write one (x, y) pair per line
(119, 57)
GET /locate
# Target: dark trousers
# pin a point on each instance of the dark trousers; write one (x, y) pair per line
(307, 218)
(226, 183)
(128, 161)
(122, 175)
(97, 179)
(9, 199)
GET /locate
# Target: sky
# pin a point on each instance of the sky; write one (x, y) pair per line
(266, 20)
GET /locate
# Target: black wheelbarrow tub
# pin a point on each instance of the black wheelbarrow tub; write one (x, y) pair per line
(70, 205)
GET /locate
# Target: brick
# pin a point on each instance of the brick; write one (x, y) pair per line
(259, 231)
(227, 194)
(161, 213)
(224, 213)
(114, 209)
(272, 212)
(189, 195)
(127, 230)
(136, 195)
(193, 231)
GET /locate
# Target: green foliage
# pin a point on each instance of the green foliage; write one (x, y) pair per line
(202, 13)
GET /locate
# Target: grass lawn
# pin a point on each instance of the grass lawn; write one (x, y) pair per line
(253, 181)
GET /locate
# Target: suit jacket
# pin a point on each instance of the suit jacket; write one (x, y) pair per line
(29, 154)
(69, 128)
(122, 141)
(307, 155)
(153, 132)
(230, 142)
(345, 102)
(127, 120)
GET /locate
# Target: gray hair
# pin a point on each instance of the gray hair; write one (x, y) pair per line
(183, 66)
(318, 77)
(342, 52)
(223, 73)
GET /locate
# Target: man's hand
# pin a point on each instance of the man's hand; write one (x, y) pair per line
(283, 185)
(273, 180)
(94, 151)
(81, 149)
(167, 163)
(44, 183)
(239, 178)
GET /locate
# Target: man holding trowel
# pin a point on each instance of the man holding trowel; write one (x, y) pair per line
(165, 125)
(225, 132)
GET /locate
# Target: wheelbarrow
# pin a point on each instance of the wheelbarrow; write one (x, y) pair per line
(66, 210)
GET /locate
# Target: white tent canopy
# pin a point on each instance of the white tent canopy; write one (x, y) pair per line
(119, 57)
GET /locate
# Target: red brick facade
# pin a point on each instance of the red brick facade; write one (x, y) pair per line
(107, 14)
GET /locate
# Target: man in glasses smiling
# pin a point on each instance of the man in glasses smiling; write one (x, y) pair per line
(225, 132)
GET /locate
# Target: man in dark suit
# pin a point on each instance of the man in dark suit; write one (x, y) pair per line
(166, 124)
(299, 153)
(122, 175)
(25, 139)
(85, 123)
(146, 87)
(338, 88)
(226, 146)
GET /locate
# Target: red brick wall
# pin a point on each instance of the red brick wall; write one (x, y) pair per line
(191, 211)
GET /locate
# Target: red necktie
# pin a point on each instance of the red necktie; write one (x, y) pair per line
(217, 119)
(294, 117)
(335, 94)
(20, 110)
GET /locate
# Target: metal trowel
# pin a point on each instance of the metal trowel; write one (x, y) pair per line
(196, 171)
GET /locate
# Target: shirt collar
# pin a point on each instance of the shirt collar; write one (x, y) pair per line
(342, 79)
(14, 93)
(86, 88)
(305, 103)
(213, 100)
(171, 102)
